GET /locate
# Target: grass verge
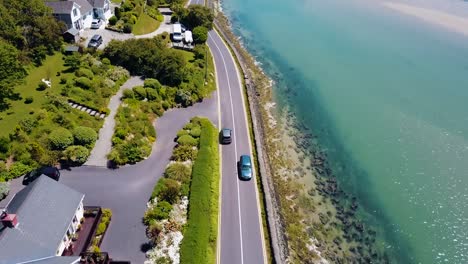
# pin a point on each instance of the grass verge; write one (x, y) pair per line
(145, 25)
(200, 237)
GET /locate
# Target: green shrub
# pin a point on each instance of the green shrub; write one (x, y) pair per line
(127, 28)
(113, 19)
(140, 92)
(153, 231)
(179, 172)
(28, 124)
(152, 95)
(28, 100)
(41, 86)
(101, 229)
(200, 236)
(60, 138)
(188, 126)
(18, 169)
(83, 72)
(152, 83)
(184, 152)
(187, 140)
(157, 108)
(200, 34)
(84, 136)
(182, 132)
(195, 131)
(160, 212)
(117, 12)
(128, 94)
(106, 212)
(76, 154)
(4, 190)
(84, 83)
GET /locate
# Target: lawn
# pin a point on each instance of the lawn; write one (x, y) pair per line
(116, 1)
(145, 25)
(200, 236)
(18, 109)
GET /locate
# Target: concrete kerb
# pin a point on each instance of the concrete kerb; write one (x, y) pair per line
(277, 235)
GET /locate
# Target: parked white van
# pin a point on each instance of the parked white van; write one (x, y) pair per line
(176, 33)
(188, 37)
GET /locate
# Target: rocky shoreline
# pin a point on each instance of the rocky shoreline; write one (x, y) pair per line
(310, 218)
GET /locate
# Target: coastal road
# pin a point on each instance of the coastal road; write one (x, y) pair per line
(241, 239)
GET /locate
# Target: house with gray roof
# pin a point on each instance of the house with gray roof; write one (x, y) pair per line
(77, 14)
(38, 223)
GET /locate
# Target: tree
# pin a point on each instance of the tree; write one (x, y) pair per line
(198, 15)
(76, 154)
(84, 136)
(60, 138)
(73, 61)
(171, 68)
(200, 34)
(11, 72)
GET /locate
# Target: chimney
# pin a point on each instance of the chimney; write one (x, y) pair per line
(8, 220)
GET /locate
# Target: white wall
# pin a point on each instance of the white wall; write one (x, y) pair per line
(71, 228)
(87, 19)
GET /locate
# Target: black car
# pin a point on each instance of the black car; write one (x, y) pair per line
(51, 172)
(95, 41)
(226, 136)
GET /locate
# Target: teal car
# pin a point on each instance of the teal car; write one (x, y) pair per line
(245, 167)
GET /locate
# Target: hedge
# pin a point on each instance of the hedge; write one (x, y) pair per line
(199, 243)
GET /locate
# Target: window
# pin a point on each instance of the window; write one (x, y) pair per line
(75, 13)
(77, 25)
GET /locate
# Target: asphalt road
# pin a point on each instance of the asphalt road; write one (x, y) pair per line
(241, 237)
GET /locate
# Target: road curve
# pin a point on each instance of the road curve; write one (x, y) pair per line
(241, 231)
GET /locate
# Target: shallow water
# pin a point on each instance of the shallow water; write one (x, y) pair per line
(386, 95)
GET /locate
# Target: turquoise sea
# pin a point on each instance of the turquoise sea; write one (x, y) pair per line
(387, 96)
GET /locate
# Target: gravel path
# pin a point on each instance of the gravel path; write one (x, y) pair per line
(104, 143)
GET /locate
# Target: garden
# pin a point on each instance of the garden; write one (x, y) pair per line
(40, 128)
(174, 78)
(190, 182)
(136, 16)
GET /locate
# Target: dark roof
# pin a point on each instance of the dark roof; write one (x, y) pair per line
(60, 7)
(97, 3)
(44, 209)
(85, 6)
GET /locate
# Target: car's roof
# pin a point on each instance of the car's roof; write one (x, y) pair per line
(245, 159)
(96, 36)
(226, 132)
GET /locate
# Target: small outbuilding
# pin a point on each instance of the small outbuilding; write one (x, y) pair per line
(72, 35)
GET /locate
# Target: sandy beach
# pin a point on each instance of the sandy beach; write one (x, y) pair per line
(449, 21)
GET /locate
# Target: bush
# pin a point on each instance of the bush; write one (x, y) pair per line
(127, 28)
(128, 94)
(152, 83)
(101, 229)
(4, 190)
(117, 12)
(153, 231)
(169, 191)
(84, 136)
(195, 131)
(200, 236)
(60, 138)
(160, 212)
(182, 132)
(157, 108)
(76, 154)
(83, 72)
(200, 34)
(18, 169)
(84, 83)
(187, 140)
(152, 95)
(28, 100)
(179, 172)
(113, 19)
(107, 213)
(41, 86)
(174, 19)
(63, 80)
(140, 92)
(184, 152)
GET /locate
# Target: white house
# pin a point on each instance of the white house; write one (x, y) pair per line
(79, 14)
(38, 223)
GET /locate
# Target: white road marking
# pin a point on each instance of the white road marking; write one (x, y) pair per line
(235, 148)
